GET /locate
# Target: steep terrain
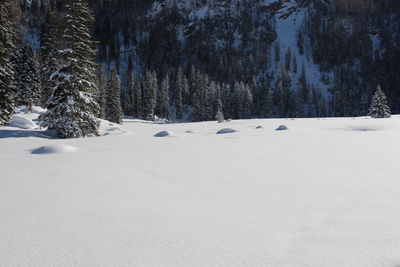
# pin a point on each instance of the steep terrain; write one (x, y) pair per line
(346, 48)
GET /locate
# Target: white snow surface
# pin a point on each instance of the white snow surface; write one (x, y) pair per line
(325, 193)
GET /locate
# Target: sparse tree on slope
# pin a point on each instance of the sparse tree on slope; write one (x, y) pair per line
(6, 72)
(113, 98)
(72, 109)
(379, 107)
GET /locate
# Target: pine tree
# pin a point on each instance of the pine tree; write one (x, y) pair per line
(113, 98)
(137, 97)
(197, 88)
(26, 78)
(102, 87)
(163, 97)
(49, 61)
(72, 107)
(6, 69)
(179, 90)
(379, 107)
(150, 95)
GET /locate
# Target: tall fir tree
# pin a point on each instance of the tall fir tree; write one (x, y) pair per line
(102, 88)
(6, 68)
(72, 108)
(379, 107)
(26, 78)
(197, 95)
(163, 97)
(113, 98)
(179, 91)
(150, 95)
(49, 61)
(137, 97)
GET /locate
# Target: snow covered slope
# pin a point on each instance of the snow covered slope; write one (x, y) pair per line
(323, 193)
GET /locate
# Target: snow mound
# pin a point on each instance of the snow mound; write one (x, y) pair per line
(54, 149)
(363, 129)
(226, 131)
(282, 128)
(189, 131)
(259, 127)
(164, 134)
(22, 123)
(107, 128)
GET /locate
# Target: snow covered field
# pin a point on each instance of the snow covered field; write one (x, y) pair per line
(326, 192)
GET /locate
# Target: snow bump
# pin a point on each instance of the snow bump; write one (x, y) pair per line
(282, 128)
(54, 149)
(226, 131)
(164, 134)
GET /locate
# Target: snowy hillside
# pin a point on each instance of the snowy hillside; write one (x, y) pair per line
(325, 192)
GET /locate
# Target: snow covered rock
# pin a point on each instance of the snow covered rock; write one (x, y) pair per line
(282, 128)
(164, 134)
(226, 131)
(259, 127)
(54, 149)
(22, 123)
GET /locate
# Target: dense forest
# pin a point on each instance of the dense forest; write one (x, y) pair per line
(189, 60)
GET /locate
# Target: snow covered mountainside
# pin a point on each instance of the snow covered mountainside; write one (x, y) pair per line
(324, 192)
(302, 58)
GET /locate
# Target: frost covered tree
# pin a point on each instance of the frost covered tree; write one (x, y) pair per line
(26, 77)
(113, 98)
(102, 87)
(6, 69)
(379, 107)
(197, 95)
(72, 108)
(136, 97)
(163, 97)
(49, 61)
(150, 95)
(179, 91)
(244, 100)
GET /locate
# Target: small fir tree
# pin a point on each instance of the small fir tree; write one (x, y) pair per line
(379, 107)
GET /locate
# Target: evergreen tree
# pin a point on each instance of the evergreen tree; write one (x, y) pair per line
(179, 90)
(379, 107)
(113, 98)
(6, 69)
(49, 61)
(150, 95)
(26, 78)
(197, 88)
(72, 107)
(137, 97)
(163, 97)
(102, 88)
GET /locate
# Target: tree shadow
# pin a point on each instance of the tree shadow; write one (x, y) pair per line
(23, 134)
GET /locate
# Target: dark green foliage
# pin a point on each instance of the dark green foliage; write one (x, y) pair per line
(6, 69)
(113, 109)
(26, 78)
